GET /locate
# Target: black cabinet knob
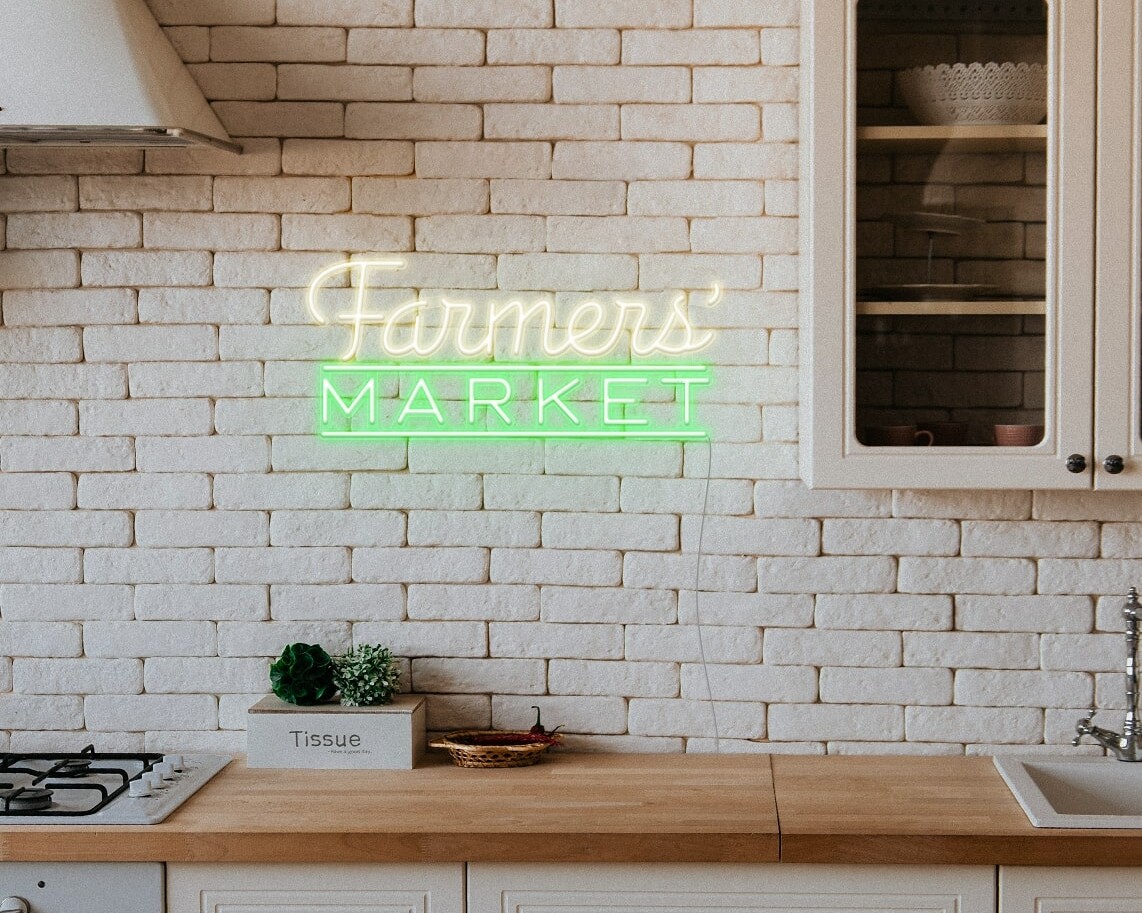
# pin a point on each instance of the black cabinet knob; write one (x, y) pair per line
(1076, 462)
(1114, 464)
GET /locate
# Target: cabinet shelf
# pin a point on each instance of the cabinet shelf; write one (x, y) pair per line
(954, 138)
(977, 307)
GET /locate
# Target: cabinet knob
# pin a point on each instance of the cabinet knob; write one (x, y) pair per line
(1076, 462)
(1114, 464)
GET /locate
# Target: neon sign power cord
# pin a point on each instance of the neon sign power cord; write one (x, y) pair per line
(698, 598)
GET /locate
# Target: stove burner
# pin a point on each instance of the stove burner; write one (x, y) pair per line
(73, 767)
(26, 799)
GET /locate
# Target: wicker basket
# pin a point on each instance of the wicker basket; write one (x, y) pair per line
(467, 751)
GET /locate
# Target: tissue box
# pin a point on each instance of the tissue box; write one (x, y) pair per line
(331, 736)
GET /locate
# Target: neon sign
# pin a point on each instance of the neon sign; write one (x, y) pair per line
(536, 399)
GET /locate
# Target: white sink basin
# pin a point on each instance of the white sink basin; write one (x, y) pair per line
(1075, 792)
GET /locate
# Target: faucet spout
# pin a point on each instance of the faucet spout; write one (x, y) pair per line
(1127, 745)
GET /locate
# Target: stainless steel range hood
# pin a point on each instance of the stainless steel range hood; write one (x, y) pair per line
(96, 73)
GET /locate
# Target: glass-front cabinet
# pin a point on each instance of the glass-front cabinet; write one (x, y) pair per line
(970, 243)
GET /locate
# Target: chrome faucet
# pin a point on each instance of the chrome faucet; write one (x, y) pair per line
(1126, 746)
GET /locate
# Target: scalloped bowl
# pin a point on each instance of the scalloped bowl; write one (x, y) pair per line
(976, 93)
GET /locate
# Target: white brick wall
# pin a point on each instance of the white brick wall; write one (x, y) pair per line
(168, 521)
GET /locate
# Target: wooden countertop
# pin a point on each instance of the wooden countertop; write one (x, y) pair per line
(600, 808)
(955, 811)
(569, 808)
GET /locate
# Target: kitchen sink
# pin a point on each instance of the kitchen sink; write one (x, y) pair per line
(1075, 792)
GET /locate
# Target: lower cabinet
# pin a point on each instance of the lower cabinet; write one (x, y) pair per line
(289, 888)
(1033, 889)
(700, 888)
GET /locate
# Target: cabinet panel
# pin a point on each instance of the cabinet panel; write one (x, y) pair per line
(287, 888)
(736, 888)
(1062, 890)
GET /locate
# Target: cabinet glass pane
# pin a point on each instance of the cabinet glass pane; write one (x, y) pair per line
(951, 222)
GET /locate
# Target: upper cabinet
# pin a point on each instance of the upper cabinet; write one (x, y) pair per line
(970, 244)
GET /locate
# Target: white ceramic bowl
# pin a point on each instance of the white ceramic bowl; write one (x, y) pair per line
(976, 93)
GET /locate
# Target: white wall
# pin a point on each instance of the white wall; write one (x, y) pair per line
(168, 521)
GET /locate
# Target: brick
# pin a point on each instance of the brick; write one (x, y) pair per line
(33, 160)
(56, 193)
(27, 711)
(695, 198)
(260, 156)
(553, 46)
(1119, 540)
(792, 647)
(258, 270)
(1038, 538)
(345, 13)
(1001, 576)
(148, 565)
(282, 565)
(551, 198)
(620, 531)
(478, 676)
(827, 575)
(419, 197)
(704, 123)
(669, 271)
(64, 602)
(183, 231)
(333, 157)
(73, 229)
(749, 683)
(277, 45)
(715, 572)
(177, 674)
(657, 717)
(692, 496)
(661, 14)
(341, 527)
(174, 379)
(36, 491)
(213, 602)
(720, 48)
(319, 82)
(420, 46)
(484, 14)
(746, 536)
(633, 234)
(209, 454)
(137, 268)
(486, 457)
(961, 649)
(988, 688)
(77, 676)
(474, 528)
(571, 493)
(281, 491)
(287, 343)
(687, 643)
(567, 272)
(481, 84)
(245, 638)
(480, 234)
(974, 724)
(150, 343)
(304, 453)
(348, 602)
(789, 722)
(264, 416)
(556, 566)
(483, 160)
(64, 528)
(397, 121)
(628, 161)
(620, 85)
(420, 565)
(890, 537)
(68, 307)
(731, 14)
(145, 192)
(213, 12)
(236, 81)
(209, 528)
(886, 686)
(623, 679)
(155, 417)
(140, 491)
(761, 609)
(66, 454)
(39, 638)
(551, 122)
(1081, 652)
(484, 602)
(433, 492)
(282, 194)
(410, 638)
(954, 505)
(763, 234)
(149, 638)
(204, 305)
(608, 605)
(884, 612)
(731, 161)
(34, 269)
(40, 345)
(1070, 614)
(745, 84)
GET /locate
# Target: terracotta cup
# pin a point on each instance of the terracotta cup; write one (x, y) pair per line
(1018, 435)
(897, 436)
(947, 434)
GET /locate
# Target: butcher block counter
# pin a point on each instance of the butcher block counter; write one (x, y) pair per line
(600, 808)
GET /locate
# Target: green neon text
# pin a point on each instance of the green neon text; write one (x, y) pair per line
(373, 401)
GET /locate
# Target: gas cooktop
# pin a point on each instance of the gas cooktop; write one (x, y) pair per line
(96, 788)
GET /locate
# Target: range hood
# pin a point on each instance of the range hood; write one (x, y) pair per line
(97, 73)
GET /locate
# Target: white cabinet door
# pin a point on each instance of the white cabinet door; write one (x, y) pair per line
(1029, 889)
(288, 888)
(708, 888)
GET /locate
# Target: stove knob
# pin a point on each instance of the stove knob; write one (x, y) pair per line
(13, 905)
(164, 770)
(139, 789)
(154, 778)
(174, 760)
